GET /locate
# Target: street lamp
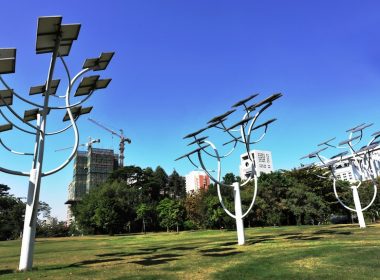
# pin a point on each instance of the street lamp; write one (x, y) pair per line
(206, 148)
(359, 162)
(54, 38)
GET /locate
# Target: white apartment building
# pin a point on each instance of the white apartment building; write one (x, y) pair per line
(262, 160)
(197, 180)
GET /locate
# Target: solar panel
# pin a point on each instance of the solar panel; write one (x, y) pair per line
(349, 130)
(5, 127)
(7, 97)
(240, 123)
(7, 61)
(360, 128)
(269, 99)
(264, 124)
(327, 141)
(222, 116)
(86, 85)
(30, 115)
(376, 134)
(41, 88)
(103, 83)
(349, 140)
(198, 140)
(314, 154)
(370, 147)
(241, 102)
(99, 63)
(195, 133)
(76, 112)
(192, 152)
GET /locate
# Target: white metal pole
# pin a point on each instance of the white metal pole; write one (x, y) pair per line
(238, 214)
(30, 222)
(358, 207)
(29, 232)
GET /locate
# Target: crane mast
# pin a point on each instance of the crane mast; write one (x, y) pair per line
(123, 139)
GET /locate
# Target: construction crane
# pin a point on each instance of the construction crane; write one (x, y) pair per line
(88, 144)
(123, 139)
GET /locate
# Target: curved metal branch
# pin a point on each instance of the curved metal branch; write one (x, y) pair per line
(75, 128)
(60, 131)
(16, 126)
(339, 200)
(14, 152)
(217, 181)
(19, 96)
(16, 115)
(50, 107)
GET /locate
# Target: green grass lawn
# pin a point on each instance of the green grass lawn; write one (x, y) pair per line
(308, 252)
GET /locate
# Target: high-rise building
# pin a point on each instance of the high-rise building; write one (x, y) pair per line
(91, 168)
(197, 180)
(262, 160)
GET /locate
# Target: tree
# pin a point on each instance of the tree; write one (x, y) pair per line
(44, 209)
(162, 179)
(170, 213)
(143, 213)
(229, 179)
(11, 214)
(177, 185)
(196, 210)
(4, 190)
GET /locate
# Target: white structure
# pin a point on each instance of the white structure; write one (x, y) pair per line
(197, 180)
(263, 162)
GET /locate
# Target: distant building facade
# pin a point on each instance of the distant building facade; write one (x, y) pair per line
(197, 180)
(262, 160)
(345, 172)
(91, 168)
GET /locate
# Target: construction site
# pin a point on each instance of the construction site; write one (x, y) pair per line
(93, 167)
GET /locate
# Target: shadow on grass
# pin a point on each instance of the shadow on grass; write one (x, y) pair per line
(260, 239)
(6, 271)
(157, 259)
(215, 250)
(181, 248)
(226, 254)
(219, 252)
(123, 254)
(84, 263)
(332, 232)
(153, 249)
(229, 243)
(303, 237)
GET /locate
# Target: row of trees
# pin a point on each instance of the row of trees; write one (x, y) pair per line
(12, 211)
(135, 199)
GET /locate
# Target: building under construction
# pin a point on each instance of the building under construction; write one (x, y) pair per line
(91, 168)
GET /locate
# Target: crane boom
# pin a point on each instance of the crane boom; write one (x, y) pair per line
(106, 128)
(122, 140)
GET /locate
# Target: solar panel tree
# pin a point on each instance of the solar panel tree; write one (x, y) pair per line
(241, 134)
(54, 39)
(360, 162)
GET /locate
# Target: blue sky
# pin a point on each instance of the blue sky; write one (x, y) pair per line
(180, 63)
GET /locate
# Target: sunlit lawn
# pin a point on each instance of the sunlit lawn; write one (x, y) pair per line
(310, 252)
